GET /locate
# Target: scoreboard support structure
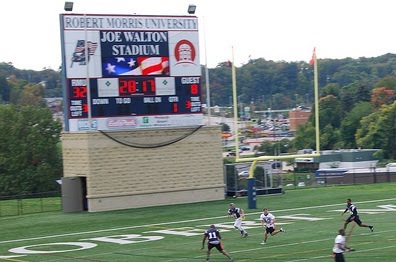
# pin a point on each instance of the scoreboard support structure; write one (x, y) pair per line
(120, 177)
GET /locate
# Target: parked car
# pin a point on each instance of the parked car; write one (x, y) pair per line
(391, 167)
(244, 173)
(244, 148)
(231, 153)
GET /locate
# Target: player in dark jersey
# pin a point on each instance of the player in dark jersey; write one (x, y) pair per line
(213, 237)
(351, 208)
(238, 214)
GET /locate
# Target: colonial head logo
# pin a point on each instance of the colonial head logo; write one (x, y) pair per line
(185, 52)
(79, 52)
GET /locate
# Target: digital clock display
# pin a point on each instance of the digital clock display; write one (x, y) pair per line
(135, 96)
(136, 86)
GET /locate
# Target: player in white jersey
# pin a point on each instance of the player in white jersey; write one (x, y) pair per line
(268, 221)
(238, 214)
(340, 247)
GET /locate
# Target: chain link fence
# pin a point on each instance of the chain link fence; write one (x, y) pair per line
(30, 203)
(271, 179)
(267, 178)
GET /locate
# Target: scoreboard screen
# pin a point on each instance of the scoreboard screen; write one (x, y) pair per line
(123, 72)
(135, 96)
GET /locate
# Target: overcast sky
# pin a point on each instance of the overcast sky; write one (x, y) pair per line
(276, 30)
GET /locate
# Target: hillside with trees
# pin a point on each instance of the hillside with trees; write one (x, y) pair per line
(357, 109)
(281, 85)
(262, 83)
(30, 152)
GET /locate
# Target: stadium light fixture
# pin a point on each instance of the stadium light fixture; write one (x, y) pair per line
(191, 9)
(68, 6)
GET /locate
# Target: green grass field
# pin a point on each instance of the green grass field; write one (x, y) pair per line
(310, 216)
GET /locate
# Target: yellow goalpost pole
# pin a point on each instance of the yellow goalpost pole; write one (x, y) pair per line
(265, 158)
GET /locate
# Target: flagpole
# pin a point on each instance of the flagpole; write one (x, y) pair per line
(316, 90)
(235, 104)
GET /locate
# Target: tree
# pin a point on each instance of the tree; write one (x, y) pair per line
(32, 95)
(4, 90)
(328, 138)
(329, 112)
(30, 157)
(266, 147)
(381, 96)
(351, 123)
(378, 130)
(305, 137)
(347, 98)
(331, 89)
(362, 93)
(272, 148)
(388, 81)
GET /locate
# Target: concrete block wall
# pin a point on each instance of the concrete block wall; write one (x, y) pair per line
(121, 173)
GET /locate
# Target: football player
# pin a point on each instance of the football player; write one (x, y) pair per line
(238, 214)
(351, 208)
(213, 237)
(268, 221)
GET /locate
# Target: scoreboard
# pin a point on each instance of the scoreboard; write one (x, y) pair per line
(123, 72)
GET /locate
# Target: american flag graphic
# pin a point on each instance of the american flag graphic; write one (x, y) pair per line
(79, 51)
(135, 65)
